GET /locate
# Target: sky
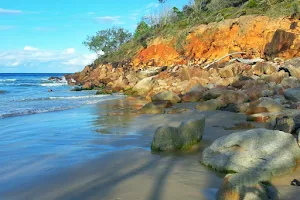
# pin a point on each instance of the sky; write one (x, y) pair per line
(46, 36)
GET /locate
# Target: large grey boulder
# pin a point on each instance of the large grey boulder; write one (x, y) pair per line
(190, 131)
(166, 95)
(166, 138)
(269, 151)
(292, 94)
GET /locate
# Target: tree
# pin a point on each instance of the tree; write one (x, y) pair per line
(142, 29)
(108, 40)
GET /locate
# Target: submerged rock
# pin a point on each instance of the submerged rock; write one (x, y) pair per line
(167, 138)
(151, 108)
(77, 89)
(271, 152)
(54, 78)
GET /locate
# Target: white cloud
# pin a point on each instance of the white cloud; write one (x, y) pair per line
(83, 60)
(17, 63)
(30, 48)
(109, 19)
(70, 51)
(13, 12)
(67, 59)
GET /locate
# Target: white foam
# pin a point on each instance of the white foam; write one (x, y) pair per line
(78, 97)
(8, 80)
(61, 82)
(53, 84)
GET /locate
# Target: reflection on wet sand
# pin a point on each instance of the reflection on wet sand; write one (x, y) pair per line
(114, 117)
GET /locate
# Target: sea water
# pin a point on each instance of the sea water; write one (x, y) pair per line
(42, 132)
(25, 94)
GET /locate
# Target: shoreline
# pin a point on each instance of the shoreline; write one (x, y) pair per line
(137, 173)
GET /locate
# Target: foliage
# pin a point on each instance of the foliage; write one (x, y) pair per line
(108, 40)
(142, 33)
(175, 24)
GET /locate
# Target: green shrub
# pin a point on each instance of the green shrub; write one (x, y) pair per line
(252, 4)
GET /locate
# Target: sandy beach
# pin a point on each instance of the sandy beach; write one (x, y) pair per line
(136, 173)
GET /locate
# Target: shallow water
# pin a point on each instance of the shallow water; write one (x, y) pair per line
(41, 144)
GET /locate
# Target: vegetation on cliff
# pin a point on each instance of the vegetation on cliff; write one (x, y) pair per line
(175, 24)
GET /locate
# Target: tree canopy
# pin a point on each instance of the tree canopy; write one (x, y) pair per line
(108, 40)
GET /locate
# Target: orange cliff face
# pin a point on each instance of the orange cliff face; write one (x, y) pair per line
(158, 54)
(258, 36)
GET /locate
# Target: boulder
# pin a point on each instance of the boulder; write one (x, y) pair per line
(264, 68)
(294, 62)
(55, 78)
(167, 138)
(149, 72)
(213, 93)
(191, 97)
(230, 108)
(292, 71)
(151, 108)
(292, 94)
(87, 86)
(268, 103)
(144, 85)
(271, 152)
(177, 110)
(191, 131)
(243, 186)
(198, 88)
(230, 96)
(290, 82)
(162, 103)
(230, 70)
(213, 104)
(285, 124)
(166, 95)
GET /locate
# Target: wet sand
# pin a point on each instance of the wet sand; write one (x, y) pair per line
(136, 173)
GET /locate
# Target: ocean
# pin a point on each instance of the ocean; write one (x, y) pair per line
(26, 94)
(44, 132)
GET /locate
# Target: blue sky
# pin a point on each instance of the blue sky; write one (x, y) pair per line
(46, 36)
